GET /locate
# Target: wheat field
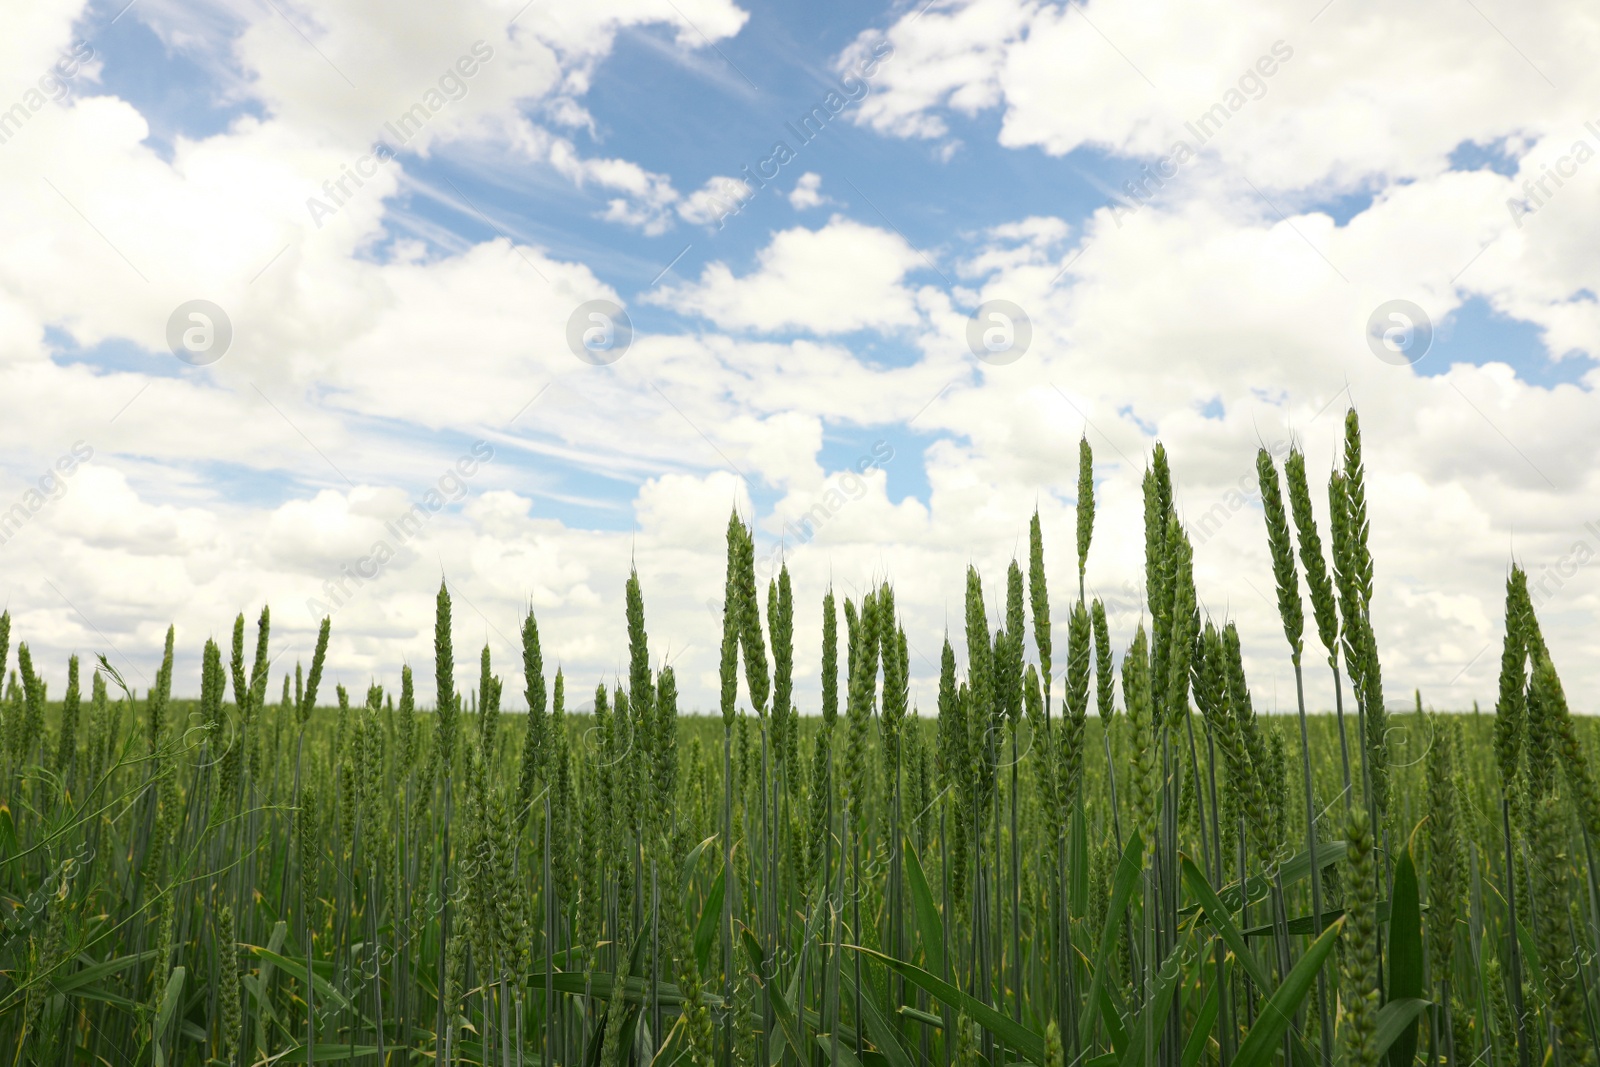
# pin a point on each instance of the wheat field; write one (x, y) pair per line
(1082, 855)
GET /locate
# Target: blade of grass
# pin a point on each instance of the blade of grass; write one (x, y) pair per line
(1122, 887)
(1405, 952)
(1207, 1018)
(1013, 1033)
(1261, 1044)
(1395, 1019)
(930, 927)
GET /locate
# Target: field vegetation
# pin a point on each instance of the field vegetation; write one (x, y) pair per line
(1081, 855)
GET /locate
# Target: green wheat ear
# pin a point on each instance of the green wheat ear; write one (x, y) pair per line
(1104, 673)
(1070, 760)
(1359, 979)
(751, 642)
(211, 685)
(1136, 698)
(1284, 573)
(228, 964)
(319, 656)
(1008, 667)
(780, 627)
(1552, 934)
(241, 692)
(407, 722)
(1183, 624)
(262, 663)
(1356, 491)
(950, 751)
(535, 741)
(1318, 581)
(979, 649)
(1085, 507)
(1510, 708)
(1446, 876)
(1039, 597)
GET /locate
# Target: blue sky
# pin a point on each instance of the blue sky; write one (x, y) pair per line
(696, 116)
(988, 160)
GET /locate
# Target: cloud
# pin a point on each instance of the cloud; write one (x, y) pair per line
(807, 192)
(1203, 312)
(1349, 99)
(713, 203)
(837, 279)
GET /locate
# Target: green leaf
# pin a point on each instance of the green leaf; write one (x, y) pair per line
(1078, 863)
(1303, 925)
(1395, 1018)
(169, 998)
(923, 1017)
(1111, 1014)
(1216, 913)
(780, 1005)
(265, 1012)
(105, 996)
(847, 1056)
(692, 860)
(1157, 1005)
(630, 1008)
(296, 969)
(84, 976)
(1261, 1044)
(323, 1053)
(807, 939)
(1533, 967)
(262, 982)
(1405, 952)
(883, 1035)
(8, 834)
(1293, 870)
(930, 927)
(169, 1005)
(1196, 1045)
(1014, 1034)
(705, 930)
(1122, 886)
(602, 986)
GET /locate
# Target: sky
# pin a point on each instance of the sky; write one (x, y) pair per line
(317, 305)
